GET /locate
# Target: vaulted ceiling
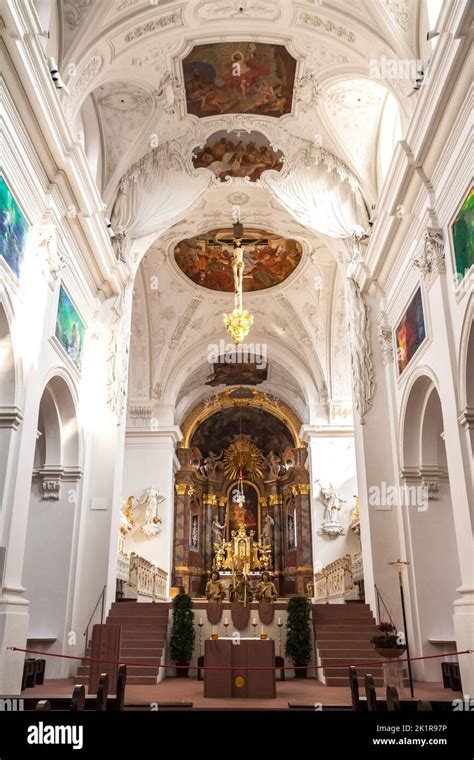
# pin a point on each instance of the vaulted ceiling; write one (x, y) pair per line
(122, 61)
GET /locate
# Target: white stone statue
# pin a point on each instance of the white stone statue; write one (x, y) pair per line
(268, 528)
(217, 531)
(332, 507)
(152, 524)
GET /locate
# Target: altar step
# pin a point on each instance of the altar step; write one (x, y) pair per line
(144, 628)
(342, 635)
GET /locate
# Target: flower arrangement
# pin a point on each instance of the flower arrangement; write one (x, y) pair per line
(388, 637)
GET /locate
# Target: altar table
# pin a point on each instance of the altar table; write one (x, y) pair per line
(240, 681)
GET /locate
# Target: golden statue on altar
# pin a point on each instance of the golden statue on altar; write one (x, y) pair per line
(242, 552)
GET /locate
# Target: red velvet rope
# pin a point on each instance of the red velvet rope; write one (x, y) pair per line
(226, 667)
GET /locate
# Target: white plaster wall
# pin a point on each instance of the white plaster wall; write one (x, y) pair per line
(150, 461)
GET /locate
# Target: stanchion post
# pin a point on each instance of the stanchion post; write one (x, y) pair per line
(398, 564)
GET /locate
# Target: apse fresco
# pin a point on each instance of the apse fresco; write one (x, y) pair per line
(239, 77)
(248, 373)
(218, 431)
(13, 229)
(463, 236)
(410, 332)
(245, 155)
(248, 514)
(207, 260)
(70, 328)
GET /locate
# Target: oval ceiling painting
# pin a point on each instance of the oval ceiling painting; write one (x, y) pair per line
(268, 259)
(238, 155)
(239, 77)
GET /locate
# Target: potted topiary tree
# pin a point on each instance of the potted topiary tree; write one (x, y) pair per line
(298, 637)
(182, 634)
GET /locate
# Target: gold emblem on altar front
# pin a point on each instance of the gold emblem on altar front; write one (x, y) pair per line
(240, 682)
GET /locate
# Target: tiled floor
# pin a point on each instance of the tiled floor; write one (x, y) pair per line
(308, 691)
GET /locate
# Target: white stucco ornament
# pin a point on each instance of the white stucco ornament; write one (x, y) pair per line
(152, 522)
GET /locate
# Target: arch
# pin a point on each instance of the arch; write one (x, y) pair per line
(7, 362)
(411, 410)
(429, 515)
(432, 449)
(58, 414)
(180, 372)
(53, 516)
(234, 397)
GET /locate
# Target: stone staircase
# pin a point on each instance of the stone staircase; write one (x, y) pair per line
(342, 634)
(143, 638)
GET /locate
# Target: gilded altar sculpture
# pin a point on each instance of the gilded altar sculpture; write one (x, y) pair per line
(266, 589)
(242, 552)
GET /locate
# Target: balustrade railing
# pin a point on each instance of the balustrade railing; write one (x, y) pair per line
(141, 578)
(340, 579)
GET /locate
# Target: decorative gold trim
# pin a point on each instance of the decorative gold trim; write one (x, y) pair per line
(259, 509)
(183, 569)
(180, 488)
(274, 499)
(227, 399)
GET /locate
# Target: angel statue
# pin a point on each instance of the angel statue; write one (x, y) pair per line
(274, 464)
(267, 532)
(210, 464)
(217, 532)
(152, 523)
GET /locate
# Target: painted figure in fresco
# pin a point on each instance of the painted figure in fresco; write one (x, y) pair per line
(215, 591)
(266, 589)
(240, 589)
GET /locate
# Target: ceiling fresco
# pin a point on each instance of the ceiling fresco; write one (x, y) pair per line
(239, 77)
(238, 155)
(207, 260)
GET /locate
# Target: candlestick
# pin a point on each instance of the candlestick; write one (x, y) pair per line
(254, 626)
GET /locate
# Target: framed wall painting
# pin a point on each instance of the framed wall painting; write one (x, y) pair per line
(70, 329)
(13, 229)
(462, 231)
(411, 332)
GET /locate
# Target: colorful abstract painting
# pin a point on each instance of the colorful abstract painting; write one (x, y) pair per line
(410, 332)
(248, 514)
(13, 229)
(207, 260)
(239, 77)
(248, 155)
(463, 237)
(70, 328)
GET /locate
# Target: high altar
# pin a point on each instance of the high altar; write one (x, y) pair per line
(272, 529)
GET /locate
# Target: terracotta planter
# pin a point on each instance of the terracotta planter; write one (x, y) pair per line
(390, 653)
